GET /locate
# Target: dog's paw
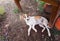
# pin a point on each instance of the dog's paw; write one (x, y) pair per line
(28, 34)
(49, 35)
(35, 30)
(43, 30)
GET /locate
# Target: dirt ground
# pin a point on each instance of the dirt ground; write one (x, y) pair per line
(14, 29)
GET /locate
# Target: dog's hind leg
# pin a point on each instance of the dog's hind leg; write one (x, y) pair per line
(33, 27)
(48, 30)
(42, 27)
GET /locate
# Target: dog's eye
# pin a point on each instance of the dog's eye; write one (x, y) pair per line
(27, 19)
(42, 20)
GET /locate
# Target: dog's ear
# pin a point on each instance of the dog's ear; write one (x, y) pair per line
(24, 15)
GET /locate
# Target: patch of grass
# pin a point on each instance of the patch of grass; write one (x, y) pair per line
(2, 10)
(54, 31)
(2, 38)
(2, 13)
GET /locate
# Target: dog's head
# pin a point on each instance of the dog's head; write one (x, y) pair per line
(23, 16)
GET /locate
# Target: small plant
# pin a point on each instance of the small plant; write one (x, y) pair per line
(2, 10)
(16, 10)
(2, 13)
(40, 5)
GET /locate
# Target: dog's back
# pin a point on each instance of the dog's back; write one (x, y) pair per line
(40, 19)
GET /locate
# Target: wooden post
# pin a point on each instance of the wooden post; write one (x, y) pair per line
(56, 15)
(53, 15)
(18, 4)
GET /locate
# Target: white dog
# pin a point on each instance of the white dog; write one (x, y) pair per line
(31, 21)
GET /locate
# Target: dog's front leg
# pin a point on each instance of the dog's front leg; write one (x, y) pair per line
(29, 29)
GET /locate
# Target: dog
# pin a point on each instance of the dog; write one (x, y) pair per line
(31, 21)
